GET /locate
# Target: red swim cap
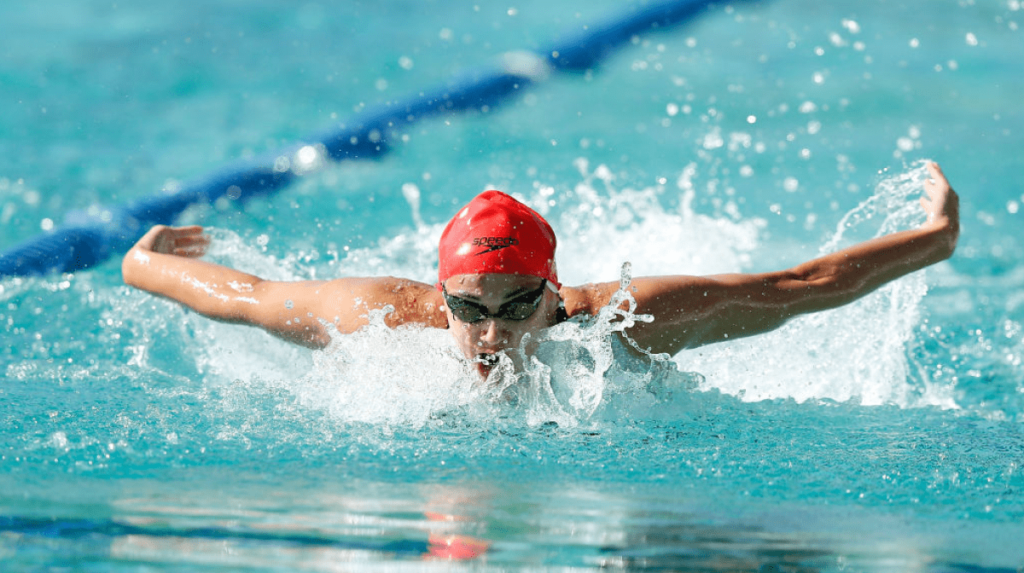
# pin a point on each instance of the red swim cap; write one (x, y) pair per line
(494, 233)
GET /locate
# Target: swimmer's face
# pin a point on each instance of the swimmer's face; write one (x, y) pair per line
(485, 308)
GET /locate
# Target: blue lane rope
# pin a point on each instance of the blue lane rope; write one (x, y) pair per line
(86, 240)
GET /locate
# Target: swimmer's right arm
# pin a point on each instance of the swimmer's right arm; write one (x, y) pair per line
(165, 262)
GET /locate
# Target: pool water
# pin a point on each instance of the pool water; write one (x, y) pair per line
(884, 436)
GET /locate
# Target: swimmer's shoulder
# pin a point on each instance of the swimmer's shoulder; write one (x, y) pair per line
(414, 302)
(587, 299)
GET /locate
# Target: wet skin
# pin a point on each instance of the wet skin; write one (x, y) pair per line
(481, 341)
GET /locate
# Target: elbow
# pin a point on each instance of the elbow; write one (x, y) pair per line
(799, 293)
(799, 282)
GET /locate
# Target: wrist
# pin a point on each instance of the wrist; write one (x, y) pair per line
(946, 232)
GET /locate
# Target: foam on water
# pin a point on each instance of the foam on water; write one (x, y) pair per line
(574, 374)
(408, 376)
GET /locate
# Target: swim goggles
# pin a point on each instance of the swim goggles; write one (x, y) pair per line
(519, 308)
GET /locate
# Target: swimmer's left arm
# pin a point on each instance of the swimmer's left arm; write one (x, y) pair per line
(693, 311)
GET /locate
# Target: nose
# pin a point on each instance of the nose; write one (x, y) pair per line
(491, 333)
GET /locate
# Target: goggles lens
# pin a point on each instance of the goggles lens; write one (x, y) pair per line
(519, 308)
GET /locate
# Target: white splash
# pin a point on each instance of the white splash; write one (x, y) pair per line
(412, 375)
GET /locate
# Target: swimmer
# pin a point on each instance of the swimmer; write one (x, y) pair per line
(497, 282)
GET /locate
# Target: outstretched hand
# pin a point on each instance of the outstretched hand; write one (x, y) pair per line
(180, 241)
(941, 203)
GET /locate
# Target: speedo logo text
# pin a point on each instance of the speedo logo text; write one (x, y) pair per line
(494, 243)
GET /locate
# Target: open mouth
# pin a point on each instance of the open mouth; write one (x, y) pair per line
(485, 362)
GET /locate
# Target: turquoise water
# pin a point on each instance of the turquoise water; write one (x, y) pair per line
(885, 436)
